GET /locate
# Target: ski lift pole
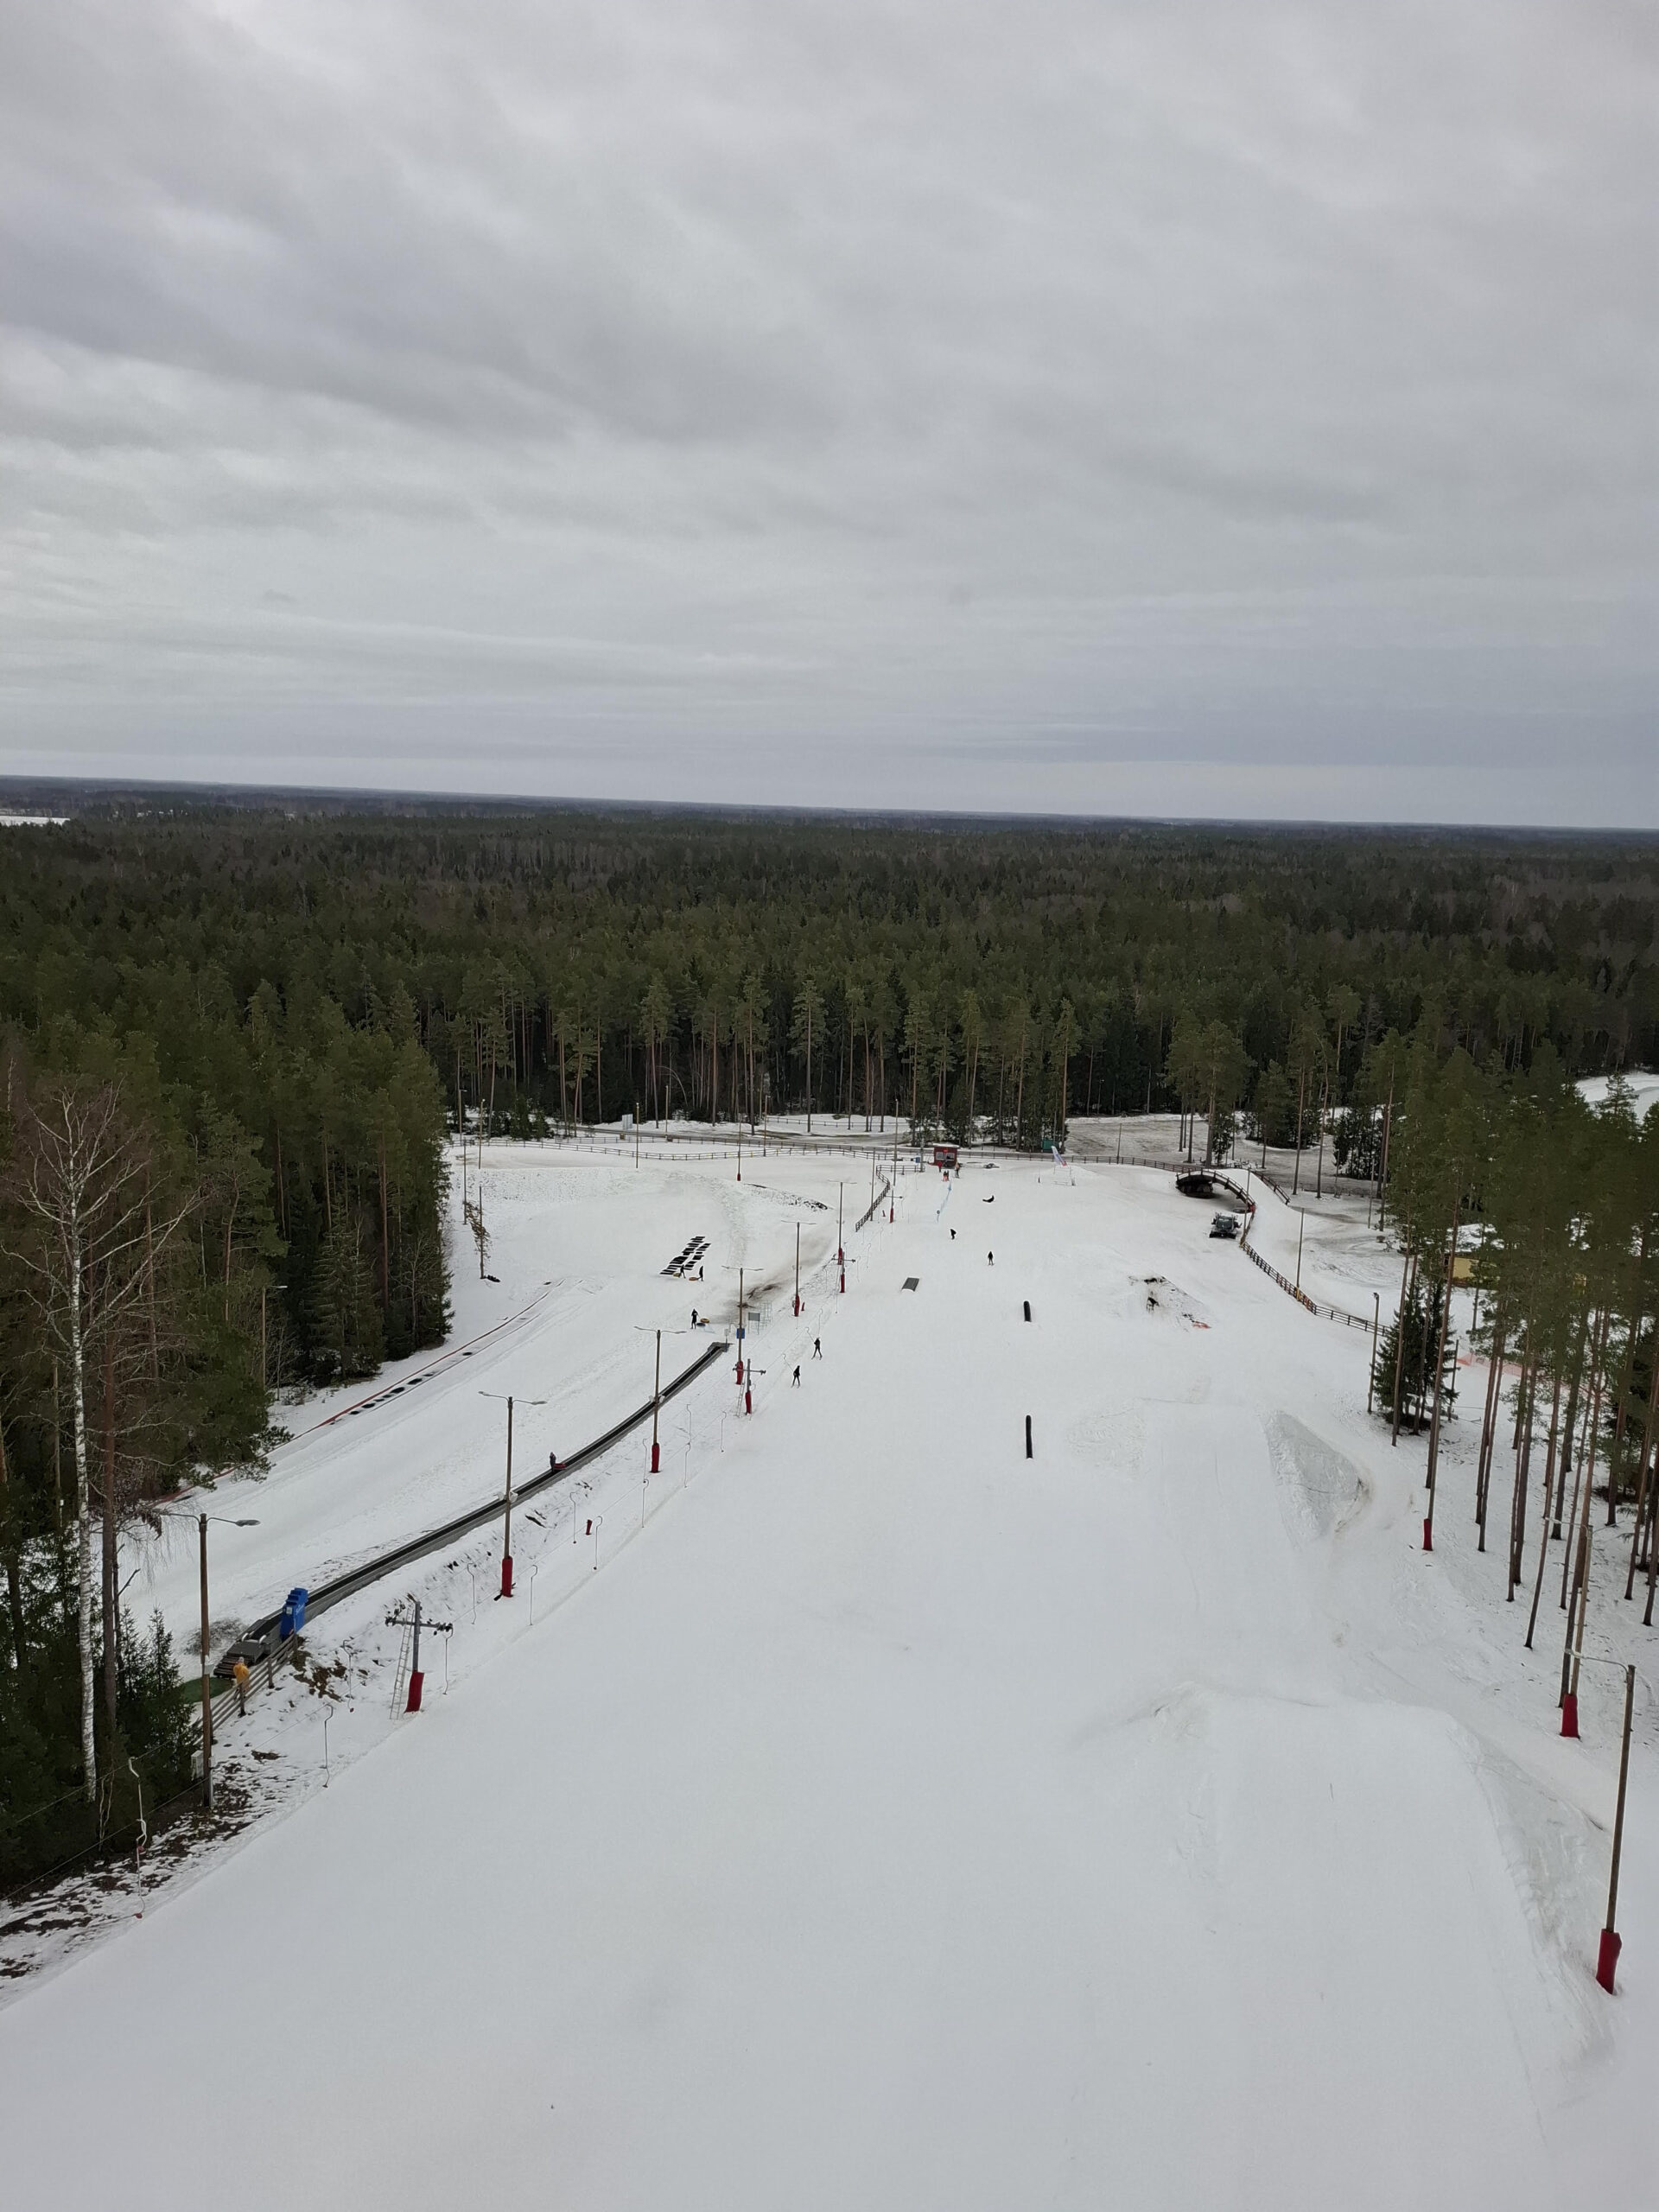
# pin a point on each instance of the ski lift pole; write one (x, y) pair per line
(413, 1619)
(841, 1250)
(798, 1271)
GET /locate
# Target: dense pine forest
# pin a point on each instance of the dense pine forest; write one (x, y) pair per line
(233, 1038)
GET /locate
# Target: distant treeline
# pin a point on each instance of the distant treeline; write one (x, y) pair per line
(293, 997)
(243, 1032)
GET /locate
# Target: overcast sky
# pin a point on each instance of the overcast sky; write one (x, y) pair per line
(1233, 409)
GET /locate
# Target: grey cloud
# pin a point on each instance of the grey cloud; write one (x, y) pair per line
(1043, 389)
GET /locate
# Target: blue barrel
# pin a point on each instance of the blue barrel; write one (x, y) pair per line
(294, 1612)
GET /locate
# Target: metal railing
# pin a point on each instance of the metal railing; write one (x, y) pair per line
(264, 1633)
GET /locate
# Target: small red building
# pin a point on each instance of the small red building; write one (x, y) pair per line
(945, 1155)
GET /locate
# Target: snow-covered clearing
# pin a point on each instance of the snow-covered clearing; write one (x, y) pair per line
(887, 1820)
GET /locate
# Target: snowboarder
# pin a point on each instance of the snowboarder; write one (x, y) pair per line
(818, 1347)
(798, 1379)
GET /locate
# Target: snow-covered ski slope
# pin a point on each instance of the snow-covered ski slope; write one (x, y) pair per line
(896, 1821)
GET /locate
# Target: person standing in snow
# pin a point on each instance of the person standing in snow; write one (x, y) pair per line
(818, 1349)
(798, 1379)
(991, 1259)
(240, 1675)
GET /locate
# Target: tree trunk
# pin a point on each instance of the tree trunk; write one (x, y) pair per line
(1440, 1362)
(1571, 1423)
(149, 1284)
(1647, 1460)
(14, 1580)
(57, 1448)
(1615, 1448)
(83, 1516)
(1489, 1420)
(1523, 1468)
(1318, 1186)
(1577, 1483)
(1579, 1610)
(1406, 1274)
(385, 1238)
(111, 1582)
(1543, 1510)
(1301, 1099)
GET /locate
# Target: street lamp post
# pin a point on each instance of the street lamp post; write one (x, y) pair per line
(506, 1524)
(655, 1406)
(202, 1519)
(1611, 1941)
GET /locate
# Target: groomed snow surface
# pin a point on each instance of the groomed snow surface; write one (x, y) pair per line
(887, 1820)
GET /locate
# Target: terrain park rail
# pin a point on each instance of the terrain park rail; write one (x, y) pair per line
(262, 1641)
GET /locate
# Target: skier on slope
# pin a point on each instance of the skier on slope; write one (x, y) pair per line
(818, 1347)
(798, 1379)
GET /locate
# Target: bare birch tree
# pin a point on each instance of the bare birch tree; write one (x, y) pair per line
(82, 1187)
